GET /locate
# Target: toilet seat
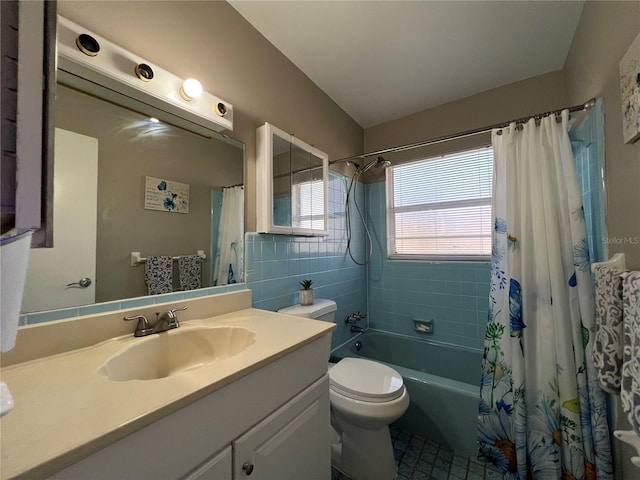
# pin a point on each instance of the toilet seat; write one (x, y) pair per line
(366, 380)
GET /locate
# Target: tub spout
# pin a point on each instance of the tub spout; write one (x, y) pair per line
(356, 328)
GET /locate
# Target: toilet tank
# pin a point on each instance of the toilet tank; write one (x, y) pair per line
(321, 309)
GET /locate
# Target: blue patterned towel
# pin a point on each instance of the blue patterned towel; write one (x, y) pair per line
(158, 274)
(190, 270)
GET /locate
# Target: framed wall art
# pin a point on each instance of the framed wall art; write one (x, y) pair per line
(166, 195)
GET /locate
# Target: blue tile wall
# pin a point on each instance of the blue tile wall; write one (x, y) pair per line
(276, 264)
(455, 295)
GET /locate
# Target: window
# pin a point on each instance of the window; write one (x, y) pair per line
(308, 204)
(440, 208)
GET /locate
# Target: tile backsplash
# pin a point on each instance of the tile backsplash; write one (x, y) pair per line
(50, 315)
(276, 264)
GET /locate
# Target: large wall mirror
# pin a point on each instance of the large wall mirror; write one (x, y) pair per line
(134, 179)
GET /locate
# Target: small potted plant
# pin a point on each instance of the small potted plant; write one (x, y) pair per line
(306, 293)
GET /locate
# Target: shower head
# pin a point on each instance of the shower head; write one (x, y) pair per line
(382, 163)
(379, 163)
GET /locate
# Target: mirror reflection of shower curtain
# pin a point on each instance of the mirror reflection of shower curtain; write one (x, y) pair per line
(587, 143)
(230, 255)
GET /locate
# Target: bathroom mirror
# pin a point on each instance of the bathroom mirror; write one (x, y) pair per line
(126, 182)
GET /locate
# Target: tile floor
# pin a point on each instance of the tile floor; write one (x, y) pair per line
(422, 459)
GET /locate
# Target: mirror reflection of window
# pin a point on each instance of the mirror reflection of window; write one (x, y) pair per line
(308, 204)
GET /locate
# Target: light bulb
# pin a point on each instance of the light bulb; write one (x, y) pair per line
(154, 120)
(191, 88)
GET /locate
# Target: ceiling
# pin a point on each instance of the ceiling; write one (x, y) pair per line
(383, 60)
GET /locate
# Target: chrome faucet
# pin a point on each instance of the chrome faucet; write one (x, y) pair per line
(165, 321)
(168, 319)
(356, 329)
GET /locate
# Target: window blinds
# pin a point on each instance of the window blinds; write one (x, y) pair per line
(308, 204)
(441, 207)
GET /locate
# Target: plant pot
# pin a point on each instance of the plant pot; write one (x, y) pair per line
(306, 297)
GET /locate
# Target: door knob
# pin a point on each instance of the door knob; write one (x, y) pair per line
(84, 282)
(248, 468)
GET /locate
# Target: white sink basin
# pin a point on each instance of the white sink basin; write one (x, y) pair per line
(175, 351)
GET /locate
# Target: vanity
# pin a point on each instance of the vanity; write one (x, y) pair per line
(234, 392)
(258, 409)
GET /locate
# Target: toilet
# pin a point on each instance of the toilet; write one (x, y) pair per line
(365, 396)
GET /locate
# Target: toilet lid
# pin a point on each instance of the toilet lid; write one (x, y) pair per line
(365, 380)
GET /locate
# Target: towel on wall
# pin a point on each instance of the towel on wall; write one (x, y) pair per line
(190, 270)
(630, 391)
(158, 274)
(607, 352)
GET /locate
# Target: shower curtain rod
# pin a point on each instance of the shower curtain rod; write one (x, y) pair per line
(469, 133)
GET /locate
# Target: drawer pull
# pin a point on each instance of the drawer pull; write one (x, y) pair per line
(248, 468)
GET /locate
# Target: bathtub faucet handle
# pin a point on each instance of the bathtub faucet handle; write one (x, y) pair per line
(354, 317)
(351, 319)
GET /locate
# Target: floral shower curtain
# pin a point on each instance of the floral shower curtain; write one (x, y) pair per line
(542, 415)
(230, 263)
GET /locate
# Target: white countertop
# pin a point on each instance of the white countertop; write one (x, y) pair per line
(64, 410)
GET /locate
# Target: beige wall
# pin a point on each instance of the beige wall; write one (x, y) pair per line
(516, 100)
(605, 31)
(212, 42)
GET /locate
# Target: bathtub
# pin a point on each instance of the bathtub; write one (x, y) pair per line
(443, 382)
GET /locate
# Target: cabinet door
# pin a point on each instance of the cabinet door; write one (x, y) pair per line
(216, 468)
(291, 188)
(291, 443)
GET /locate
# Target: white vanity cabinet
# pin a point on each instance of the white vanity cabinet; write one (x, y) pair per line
(291, 189)
(292, 442)
(218, 467)
(271, 424)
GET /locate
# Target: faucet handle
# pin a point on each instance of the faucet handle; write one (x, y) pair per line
(142, 328)
(174, 310)
(173, 316)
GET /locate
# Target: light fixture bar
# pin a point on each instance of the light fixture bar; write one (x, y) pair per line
(123, 71)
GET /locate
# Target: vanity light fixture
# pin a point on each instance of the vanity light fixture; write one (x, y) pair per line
(191, 88)
(82, 54)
